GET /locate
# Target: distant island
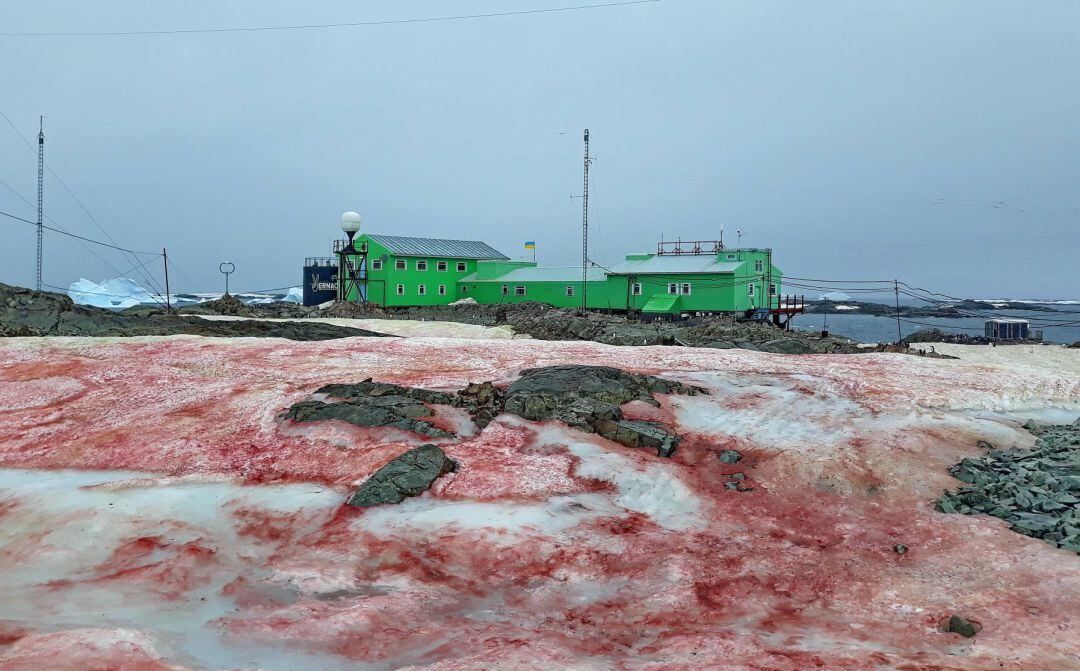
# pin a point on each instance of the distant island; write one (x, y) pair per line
(962, 308)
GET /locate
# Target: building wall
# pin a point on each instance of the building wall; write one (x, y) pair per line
(383, 281)
(709, 292)
(600, 294)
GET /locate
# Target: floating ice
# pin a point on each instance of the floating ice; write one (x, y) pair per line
(119, 292)
(295, 295)
(835, 296)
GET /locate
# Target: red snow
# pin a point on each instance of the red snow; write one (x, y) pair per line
(520, 559)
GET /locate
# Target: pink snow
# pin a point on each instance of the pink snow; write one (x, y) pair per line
(156, 513)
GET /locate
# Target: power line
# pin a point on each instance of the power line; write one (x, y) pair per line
(320, 26)
(77, 237)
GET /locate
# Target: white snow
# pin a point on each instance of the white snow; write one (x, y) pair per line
(119, 292)
(847, 307)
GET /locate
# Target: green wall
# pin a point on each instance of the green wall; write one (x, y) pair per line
(382, 282)
(709, 292)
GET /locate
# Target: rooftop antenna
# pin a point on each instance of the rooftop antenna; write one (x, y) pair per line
(40, 194)
(738, 235)
(721, 237)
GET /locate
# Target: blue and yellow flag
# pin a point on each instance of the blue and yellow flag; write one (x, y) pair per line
(530, 245)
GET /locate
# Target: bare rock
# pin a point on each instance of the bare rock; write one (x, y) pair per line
(410, 474)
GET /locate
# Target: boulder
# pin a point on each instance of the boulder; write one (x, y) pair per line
(399, 412)
(589, 398)
(407, 475)
(368, 388)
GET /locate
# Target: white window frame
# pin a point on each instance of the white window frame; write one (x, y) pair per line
(421, 264)
(442, 266)
(442, 289)
(506, 290)
(421, 290)
(673, 288)
(399, 264)
(376, 264)
(635, 289)
(686, 288)
(569, 289)
(759, 266)
(732, 257)
(401, 290)
(519, 290)
(772, 288)
(462, 266)
(464, 289)
(750, 289)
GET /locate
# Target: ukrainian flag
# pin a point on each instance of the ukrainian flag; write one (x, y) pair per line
(530, 245)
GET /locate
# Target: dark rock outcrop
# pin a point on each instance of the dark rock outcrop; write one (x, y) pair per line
(24, 312)
(410, 474)
(368, 388)
(484, 402)
(588, 398)
(1037, 490)
(399, 412)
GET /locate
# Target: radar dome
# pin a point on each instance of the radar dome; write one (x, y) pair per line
(350, 222)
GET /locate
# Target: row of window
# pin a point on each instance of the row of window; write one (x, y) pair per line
(674, 288)
(402, 264)
(421, 290)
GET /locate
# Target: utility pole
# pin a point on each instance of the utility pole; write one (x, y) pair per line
(899, 333)
(585, 231)
(168, 300)
(40, 194)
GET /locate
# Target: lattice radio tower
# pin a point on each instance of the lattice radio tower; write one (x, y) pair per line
(40, 194)
(585, 230)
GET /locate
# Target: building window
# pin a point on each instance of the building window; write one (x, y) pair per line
(570, 290)
(685, 289)
(440, 266)
(461, 267)
(635, 289)
(750, 289)
(519, 290)
(399, 264)
(672, 288)
(759, 266)
(421, 265)
(401, 290)
(376, 264)
(679, 289)
(731, 257)
(421, 289)
(464, 289)
(772, 288)
(505, 290)
(442, 289)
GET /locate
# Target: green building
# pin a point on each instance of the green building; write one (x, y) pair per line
(699, 277)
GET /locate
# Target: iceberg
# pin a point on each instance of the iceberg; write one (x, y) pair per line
(295, 295)
(836, 296)
(119, 292)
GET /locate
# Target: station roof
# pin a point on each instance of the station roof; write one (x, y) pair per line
(673, 264)
(437, 247)
(556, 274)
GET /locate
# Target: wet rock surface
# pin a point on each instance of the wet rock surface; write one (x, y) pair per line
(588, 398)
(410, 474)
(371, 389)
(24, 312)
(400, 412)
(584, 397)
(1036, 490)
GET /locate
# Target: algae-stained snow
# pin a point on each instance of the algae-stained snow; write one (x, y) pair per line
(155, 513)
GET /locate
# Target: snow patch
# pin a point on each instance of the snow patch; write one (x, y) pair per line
(119, 292)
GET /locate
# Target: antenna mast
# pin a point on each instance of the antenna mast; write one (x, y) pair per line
(40, 193)
(585, 230)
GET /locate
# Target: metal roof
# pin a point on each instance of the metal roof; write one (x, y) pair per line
(671, 264)
(436, 247)
(558, 274)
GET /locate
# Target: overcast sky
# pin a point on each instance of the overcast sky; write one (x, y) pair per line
(935, 141)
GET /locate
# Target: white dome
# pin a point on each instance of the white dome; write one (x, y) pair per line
(350, 222)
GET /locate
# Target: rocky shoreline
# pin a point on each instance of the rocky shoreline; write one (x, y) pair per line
(949, 311)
